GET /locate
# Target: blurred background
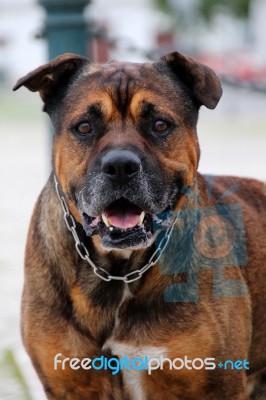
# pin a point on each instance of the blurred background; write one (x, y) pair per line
(228, 35)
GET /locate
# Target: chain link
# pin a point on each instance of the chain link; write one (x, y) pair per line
(101, 273)
(84, 253)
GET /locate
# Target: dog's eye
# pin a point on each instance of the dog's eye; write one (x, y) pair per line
(84, 128)
(160, 126)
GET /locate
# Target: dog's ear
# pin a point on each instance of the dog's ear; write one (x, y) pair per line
(48, 77)
(200, 79)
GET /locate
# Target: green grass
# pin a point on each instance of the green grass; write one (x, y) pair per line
(12, 378)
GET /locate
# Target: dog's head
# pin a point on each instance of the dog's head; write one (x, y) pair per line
(125, 141)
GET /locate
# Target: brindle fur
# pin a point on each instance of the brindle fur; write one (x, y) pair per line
(67, 309)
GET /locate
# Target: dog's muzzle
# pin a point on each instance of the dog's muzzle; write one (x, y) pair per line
(125, 217)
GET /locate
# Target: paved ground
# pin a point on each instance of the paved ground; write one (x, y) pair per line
(23, 167)
(233, 141)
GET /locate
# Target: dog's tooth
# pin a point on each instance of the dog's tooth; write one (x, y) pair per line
(105, 220)
(141, 217)
(111, 228)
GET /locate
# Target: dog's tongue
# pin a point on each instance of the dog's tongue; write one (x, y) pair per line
(124, 221)
(123, 215)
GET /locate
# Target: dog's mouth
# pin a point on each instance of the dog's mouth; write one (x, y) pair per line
(123, 225)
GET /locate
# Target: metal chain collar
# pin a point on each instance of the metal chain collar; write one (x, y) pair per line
(84, 254)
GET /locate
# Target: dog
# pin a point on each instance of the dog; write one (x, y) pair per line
(132, 255)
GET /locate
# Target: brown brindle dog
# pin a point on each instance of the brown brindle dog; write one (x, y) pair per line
(159, 261)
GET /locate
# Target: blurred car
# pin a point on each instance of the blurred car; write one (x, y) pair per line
(240, 69)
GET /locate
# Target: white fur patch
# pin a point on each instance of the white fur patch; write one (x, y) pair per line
(132, 382)
(133, 379)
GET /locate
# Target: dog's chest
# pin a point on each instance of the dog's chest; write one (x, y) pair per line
(133, 379)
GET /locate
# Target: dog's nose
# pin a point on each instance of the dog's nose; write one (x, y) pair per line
(121, 165)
